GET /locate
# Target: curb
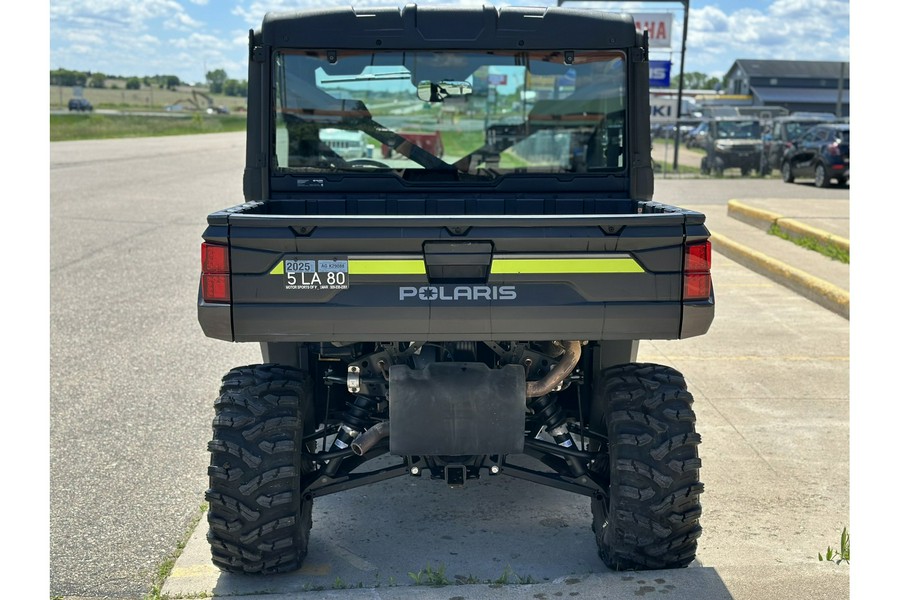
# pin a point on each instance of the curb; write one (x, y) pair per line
(818, 290)
(764, 219)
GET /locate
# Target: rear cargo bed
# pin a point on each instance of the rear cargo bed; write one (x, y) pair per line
(454, 277)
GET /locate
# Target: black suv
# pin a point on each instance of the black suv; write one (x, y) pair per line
(782, 132)
(80, 104)
(823, 153)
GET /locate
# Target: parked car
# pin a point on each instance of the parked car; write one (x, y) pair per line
(781, 134)
(732, 142)
(666, 131)
(822, 153)
(80, 105)
(696, 137)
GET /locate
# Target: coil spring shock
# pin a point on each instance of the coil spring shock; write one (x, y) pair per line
(357, 417)
(551, 414)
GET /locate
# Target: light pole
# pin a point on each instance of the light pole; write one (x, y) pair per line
(686, 4)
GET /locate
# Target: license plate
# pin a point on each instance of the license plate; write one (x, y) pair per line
(302, 273)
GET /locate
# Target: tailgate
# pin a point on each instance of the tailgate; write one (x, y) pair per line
(455, 278)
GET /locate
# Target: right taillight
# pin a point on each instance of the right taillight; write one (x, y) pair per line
(215, 278)
(697, 277)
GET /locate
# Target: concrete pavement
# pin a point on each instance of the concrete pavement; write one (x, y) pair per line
(740, 232)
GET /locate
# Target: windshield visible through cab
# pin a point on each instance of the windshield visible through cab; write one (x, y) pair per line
(740, 130)
(449, 116)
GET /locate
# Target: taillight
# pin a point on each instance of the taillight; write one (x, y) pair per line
(697, 277)
(215, 278)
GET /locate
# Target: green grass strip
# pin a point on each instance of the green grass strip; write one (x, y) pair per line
(824, 248)
(93, 126)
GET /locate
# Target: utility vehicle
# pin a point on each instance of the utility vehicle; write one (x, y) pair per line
(465, 314)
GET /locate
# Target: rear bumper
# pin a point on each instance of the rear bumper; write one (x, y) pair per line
(430, 321)
(839, 171)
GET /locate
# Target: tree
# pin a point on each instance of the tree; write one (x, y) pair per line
(216, 80)
(133, 83)
(696, 81)
(68, 78)
(234, 87)
(97, 80)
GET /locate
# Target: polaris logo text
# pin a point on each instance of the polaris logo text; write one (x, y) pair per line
(459, 292)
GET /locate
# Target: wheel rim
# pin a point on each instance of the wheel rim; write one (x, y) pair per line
(820, 176)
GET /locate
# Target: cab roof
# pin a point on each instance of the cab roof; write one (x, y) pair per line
(415, 27)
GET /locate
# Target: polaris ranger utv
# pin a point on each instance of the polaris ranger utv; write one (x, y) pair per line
(732, 142)
(454, 316)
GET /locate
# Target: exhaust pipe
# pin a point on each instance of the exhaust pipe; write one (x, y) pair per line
(366, 441)
(571, 356)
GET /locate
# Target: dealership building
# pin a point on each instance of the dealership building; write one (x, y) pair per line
(796, 85)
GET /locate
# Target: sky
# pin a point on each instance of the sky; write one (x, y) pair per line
(189, 38)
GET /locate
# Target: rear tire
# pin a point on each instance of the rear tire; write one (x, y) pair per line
(259, 518)
(787, 174)
(651, 519)
(821, 177)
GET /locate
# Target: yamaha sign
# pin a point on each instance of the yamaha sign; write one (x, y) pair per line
(658, 27)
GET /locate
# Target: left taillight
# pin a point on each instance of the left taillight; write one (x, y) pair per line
(215, 278)
(697, 276)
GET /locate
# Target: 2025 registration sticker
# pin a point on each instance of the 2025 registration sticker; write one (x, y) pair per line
(312, 274)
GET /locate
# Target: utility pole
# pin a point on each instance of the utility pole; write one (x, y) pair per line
(839, 106)
(680, 86)
(687, 5)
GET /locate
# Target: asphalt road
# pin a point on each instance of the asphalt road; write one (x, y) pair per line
(132, 378)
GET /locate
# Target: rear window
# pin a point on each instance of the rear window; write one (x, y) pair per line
(449, 116)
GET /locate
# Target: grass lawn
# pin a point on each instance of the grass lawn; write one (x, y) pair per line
(81, 126)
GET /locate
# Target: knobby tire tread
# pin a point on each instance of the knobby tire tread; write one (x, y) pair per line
(259, 519)
(652, 517)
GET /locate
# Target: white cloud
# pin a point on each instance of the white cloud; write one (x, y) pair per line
(200, 41)
(106, 34)
(119, 37)
(785, 30)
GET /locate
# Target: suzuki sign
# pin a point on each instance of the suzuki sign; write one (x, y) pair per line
(663, 110)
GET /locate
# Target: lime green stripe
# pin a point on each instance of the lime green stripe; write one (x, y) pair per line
(414, 266)
(508, 266)
(500, 266)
